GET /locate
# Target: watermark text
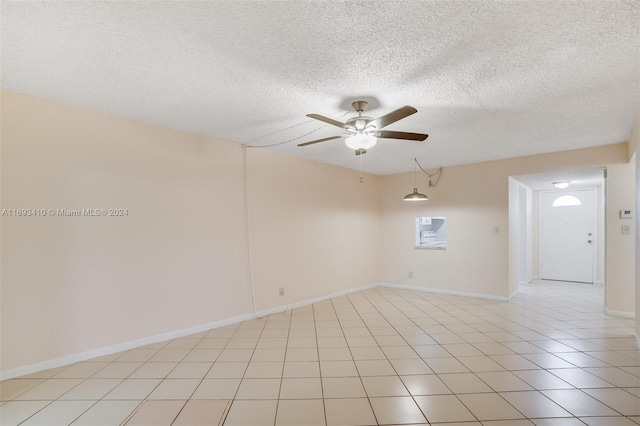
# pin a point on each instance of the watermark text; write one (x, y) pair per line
(61, 212)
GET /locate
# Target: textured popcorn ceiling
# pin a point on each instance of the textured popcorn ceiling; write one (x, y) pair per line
(489, 79)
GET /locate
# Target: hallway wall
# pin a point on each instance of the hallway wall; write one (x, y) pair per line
(474, 199)
(620, 253)
(634, 155)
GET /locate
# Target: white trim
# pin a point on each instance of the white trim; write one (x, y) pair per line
(635, 335)
(108, 350)
(514, 294)
(622, 314)
(450, 292)
(333, 295)
(308, 302)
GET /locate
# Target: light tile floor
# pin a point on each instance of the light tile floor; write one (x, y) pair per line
(381, 356)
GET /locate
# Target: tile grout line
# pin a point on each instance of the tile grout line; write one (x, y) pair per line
(315, 328)
(199, 383)
(145, 399)
(604, 341)
(410, 394)
(248, 362)
(284, 360)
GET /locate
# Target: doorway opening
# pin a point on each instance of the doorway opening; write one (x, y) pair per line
(557, 234)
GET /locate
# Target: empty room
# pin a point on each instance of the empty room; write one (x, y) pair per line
(319, 213)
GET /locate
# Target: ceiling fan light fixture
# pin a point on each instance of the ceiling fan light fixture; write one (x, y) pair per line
(415, 196)
(363, 132)
(561, 185)
(360, 141)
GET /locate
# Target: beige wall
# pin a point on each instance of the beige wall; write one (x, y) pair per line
(314, 228)
(516, 252)
(72, 284)
(178, 260)
(634, 147)
(474, 199)
(620, 259)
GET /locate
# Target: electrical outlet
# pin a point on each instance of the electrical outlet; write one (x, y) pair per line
(626, 230)
(410, 274)
(281, 291)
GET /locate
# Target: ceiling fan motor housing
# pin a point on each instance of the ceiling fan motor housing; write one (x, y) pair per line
(359, 106)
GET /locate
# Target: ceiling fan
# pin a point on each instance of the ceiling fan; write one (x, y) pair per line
(365, 131)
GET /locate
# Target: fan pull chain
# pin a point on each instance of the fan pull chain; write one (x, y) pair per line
(361, 177)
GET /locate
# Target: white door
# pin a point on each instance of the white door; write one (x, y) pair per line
(568, 235)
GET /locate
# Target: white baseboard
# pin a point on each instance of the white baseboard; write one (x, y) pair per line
(622, 314)
(450, 292)
(308, 302)
(331, 296)
(108, 350)
(514, 294)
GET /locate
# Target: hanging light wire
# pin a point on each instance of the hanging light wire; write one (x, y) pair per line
(436, 173)
(297, 137)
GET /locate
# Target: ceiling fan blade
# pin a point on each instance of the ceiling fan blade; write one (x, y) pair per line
(393, 116)
(327, 120)
(319, 140)
(403, 135)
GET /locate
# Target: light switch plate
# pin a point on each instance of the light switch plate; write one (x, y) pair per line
(626, 230)
(626, 214)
